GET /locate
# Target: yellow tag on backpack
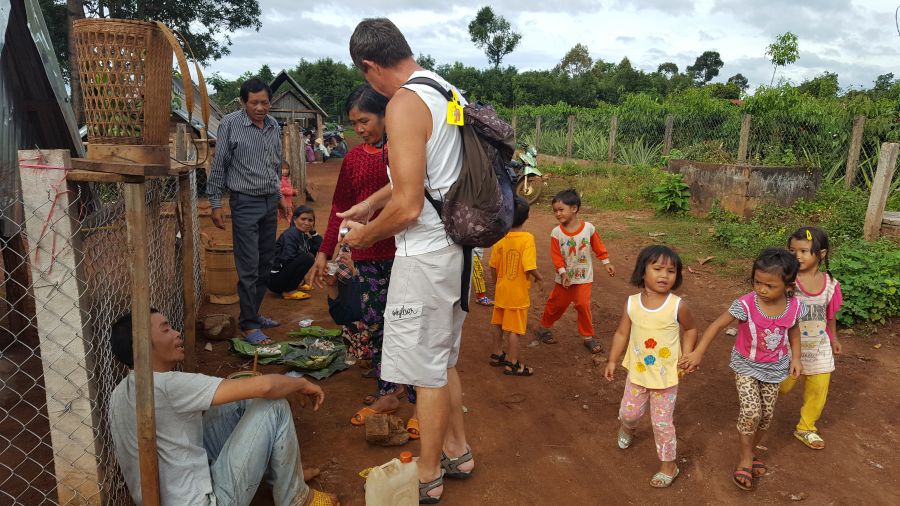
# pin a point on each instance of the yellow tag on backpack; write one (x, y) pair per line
(455, 111)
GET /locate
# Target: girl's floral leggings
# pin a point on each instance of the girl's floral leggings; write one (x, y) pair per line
(662, 409)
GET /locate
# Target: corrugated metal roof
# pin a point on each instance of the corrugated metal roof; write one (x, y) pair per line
(179, 107)
(34, 104)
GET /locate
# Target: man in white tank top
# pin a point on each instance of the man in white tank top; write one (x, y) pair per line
(423, 317)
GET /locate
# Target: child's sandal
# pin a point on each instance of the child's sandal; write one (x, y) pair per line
(499, 360)
(518, 369)
(624, 439)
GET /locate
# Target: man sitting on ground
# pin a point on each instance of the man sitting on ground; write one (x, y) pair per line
(216, 438)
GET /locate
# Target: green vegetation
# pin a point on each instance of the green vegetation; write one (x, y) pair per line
(672, 195)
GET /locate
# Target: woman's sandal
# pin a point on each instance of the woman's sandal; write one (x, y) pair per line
(257, 338)
(759, 467)
(810, 439)
(451, 466)
(518, 369)
(593, 345)
(499, 360)
(359, 418)
(545, 336)
(663, 480)
(424, 488)
(412, 426)
(743, 472)
(624, 439)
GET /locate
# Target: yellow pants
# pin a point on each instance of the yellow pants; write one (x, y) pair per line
(815, 392)
(478, 284)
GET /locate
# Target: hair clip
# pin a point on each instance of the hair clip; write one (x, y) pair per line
(808, 235)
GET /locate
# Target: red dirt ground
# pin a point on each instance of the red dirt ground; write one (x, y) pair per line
(550, 438)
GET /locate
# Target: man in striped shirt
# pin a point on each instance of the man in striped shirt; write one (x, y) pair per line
(248, 164)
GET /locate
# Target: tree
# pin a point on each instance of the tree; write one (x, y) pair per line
(577, 61)
(494, 35)
(706, 66)
(782, 52)
(740, 81)
(728, 90)
(426, 61)
(668, 68)
(824, 85)
(265, 73)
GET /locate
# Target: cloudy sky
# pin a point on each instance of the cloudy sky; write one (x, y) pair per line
(857, 39)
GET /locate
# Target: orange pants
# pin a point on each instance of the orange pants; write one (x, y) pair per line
(559, 301)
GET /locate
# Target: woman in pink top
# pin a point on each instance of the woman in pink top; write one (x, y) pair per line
(766, 351)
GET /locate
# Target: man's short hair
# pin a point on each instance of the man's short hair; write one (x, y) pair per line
(254, 85)
(122, 341)
(380, 41)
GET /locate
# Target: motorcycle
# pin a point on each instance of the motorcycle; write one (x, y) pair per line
(529, 181)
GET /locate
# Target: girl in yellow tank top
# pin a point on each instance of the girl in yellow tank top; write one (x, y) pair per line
(650, 335)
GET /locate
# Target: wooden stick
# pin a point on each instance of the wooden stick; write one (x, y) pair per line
(881, 186)
(613, 126)
(255, 360)
(570, 129)
(136, 218)
(744, 143)
(667, 138)
(859, 126)
(537, 133)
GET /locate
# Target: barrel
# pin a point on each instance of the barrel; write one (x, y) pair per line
(221, 275)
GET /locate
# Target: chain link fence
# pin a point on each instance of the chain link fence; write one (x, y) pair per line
(65, 278)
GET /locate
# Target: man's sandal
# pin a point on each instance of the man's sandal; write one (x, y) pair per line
(624, 439)
(593, 345)
(257, 338)
(267, 322)
(319, 498)
(810, 439)
(545, 336)
(663, 480)
(499, 360)
(518, 369)
(424, 488)
(451, 466)
(759, 467)
(743, 472)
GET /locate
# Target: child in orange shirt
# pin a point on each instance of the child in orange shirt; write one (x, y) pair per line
(287, 190)
(513, 266)
(570, 247)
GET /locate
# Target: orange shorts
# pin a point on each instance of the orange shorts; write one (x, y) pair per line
(511, 320)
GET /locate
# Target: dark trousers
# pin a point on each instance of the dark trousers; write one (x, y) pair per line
(291, 274)
(253, 221)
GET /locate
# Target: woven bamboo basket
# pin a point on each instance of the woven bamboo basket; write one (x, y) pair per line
(126, 81)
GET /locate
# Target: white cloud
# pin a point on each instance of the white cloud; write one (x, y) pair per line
(854, 38)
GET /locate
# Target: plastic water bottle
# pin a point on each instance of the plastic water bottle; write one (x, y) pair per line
(393, 484)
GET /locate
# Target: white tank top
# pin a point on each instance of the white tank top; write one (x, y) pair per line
(443, 160)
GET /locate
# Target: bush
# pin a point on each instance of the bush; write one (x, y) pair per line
(672, 195)
(869, 273)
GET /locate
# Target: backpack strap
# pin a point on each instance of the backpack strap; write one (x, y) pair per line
(431, 83)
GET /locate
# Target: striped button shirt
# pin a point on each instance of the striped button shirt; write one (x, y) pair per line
(247, 160)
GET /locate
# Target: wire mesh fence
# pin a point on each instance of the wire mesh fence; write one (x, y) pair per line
(65, 278)
(707, 131)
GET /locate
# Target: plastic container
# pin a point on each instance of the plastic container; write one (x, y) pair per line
(393, 484)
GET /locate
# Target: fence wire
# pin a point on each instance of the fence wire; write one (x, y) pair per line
(65, 277)
(709, 132)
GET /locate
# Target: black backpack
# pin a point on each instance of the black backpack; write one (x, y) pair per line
(477, 210)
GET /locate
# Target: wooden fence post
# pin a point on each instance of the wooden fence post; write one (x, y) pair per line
(667, 139)
(515, 120)
(744, 144)
(303, 165)
(859, 126)
(136, 219)
(569, 132)
(188, 248)
(881, 186)
(613, 126)
(537, 133)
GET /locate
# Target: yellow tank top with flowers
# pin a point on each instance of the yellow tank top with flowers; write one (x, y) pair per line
(654, 345)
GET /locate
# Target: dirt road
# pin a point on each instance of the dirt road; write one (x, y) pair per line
(550, 438)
